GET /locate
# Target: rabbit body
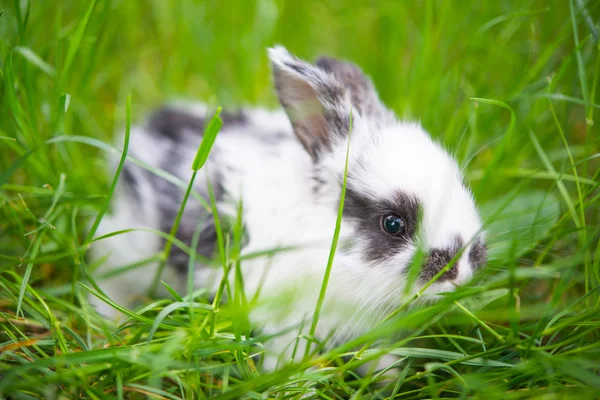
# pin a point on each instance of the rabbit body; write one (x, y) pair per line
(285, 170)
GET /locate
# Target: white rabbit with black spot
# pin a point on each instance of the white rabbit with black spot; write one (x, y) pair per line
(405, 194)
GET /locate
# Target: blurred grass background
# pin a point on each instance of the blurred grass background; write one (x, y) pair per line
(532, 142)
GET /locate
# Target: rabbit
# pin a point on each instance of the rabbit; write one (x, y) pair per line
(285, 169)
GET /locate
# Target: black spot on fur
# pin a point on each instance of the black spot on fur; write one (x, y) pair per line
(193, 215)
(180, 131)
(478, 254)
(234, 117)
(440, 258)
(129, 182)
(172, 123)
(369, 212)
(179, 259)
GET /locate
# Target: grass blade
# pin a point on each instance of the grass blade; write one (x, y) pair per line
(334, 243)
(115, 180)
(208, 140)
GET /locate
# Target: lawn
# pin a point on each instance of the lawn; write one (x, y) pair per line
(510, 87)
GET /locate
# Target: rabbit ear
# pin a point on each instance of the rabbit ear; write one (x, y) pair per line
(363, 94)
(317, 105)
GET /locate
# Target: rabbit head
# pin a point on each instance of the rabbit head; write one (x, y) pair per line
(405, 194)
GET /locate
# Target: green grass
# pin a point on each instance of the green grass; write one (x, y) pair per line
(511, 87)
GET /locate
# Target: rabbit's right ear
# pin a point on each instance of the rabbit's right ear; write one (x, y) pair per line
(318, 106)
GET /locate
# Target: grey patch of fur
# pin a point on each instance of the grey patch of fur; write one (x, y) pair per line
(194, 214)
(234, 117)
(438, 259)
(172, 123)
(179, 259)
(318, 183)
(369, 212)
(315, 104)
(362, 92)
(315, 98)
(179, 130)
(478, 253)
(129, 181)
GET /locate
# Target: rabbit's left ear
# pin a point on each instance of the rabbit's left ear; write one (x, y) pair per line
(317, 104)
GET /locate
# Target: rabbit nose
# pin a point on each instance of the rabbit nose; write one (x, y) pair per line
(437, 260)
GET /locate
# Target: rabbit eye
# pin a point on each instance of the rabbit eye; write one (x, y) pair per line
(393, 225)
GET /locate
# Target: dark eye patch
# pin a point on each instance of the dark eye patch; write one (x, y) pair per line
(368, 213)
